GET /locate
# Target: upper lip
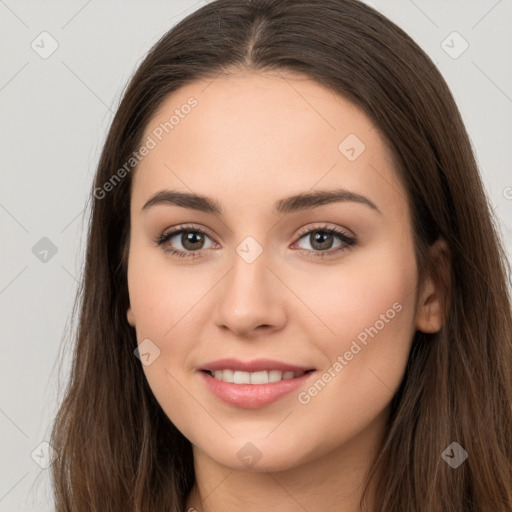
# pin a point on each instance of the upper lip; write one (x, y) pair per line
(256, 365)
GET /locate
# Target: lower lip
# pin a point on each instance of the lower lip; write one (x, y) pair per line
(252, 396)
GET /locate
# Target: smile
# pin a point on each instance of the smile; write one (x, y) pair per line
(260, 377)
(253, 384)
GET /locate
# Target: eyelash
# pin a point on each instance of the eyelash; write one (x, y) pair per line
(342, 236)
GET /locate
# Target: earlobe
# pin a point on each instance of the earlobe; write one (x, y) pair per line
(429, 318)
(430, 313)
(130, 317)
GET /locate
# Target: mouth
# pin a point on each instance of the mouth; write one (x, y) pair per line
(253, 384)
(256, 378)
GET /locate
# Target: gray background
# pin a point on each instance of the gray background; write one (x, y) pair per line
(54, 115)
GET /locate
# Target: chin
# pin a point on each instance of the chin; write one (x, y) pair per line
(258, 455)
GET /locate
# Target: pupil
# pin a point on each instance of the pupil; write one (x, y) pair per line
(320, 238)
(191, 239)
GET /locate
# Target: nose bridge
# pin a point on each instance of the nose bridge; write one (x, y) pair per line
(248, 279)
(250, 295)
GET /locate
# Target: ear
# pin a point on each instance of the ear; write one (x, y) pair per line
(434, 290)
(130, 316)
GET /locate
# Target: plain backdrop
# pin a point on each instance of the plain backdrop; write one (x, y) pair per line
(55, 111)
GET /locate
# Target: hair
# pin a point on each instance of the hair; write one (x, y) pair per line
(117, 449)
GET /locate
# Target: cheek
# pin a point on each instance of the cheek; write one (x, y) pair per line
(353, 295)
(368, 306)
(167, 301)
(162, 300)
(161, 294)
(370, 313)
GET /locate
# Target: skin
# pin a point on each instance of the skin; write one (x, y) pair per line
(253, 139)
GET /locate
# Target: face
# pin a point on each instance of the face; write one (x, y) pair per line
(317, 295)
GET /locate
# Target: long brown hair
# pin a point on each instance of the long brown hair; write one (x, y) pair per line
(117, 449)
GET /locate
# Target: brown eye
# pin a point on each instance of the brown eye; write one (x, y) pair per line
(323, 240)
(183, 242)
(192, 240)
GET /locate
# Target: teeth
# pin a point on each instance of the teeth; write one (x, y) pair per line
(262, 377)
(227, 375)
(242, 378)
(275, 375)
(259, 377)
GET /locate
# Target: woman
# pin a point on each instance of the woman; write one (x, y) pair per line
(295, 296)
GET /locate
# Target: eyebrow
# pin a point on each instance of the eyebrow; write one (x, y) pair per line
(299, 202)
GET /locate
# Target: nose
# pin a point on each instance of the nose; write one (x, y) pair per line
(251, 299)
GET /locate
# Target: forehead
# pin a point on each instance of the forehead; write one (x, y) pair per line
(260, 133)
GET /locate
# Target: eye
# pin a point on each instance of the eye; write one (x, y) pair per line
(322, 239)
(191, 241)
